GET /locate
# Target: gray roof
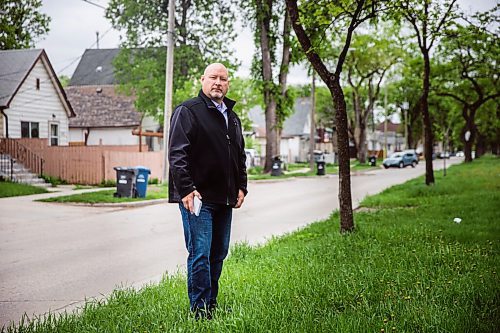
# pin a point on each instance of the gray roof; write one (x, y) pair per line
(14, 67)
(295, 125)
(97, 106)
(95, 68)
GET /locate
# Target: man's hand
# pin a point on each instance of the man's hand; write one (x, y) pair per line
(241, 198)
(188, 201)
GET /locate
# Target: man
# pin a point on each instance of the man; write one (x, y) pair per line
(207, 160)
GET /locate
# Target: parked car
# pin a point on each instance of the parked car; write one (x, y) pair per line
(413, 152)
(443, 155)
(400, 160)
(459, 154)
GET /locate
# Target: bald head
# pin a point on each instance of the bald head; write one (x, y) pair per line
(215, 82)
(216, 66)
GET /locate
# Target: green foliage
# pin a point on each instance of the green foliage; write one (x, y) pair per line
(201, 38)
(106, 196)
(21, 23)
(10, 189)
(469, 60)
(64, 80)
(246, 95)
(53, 180)
(408, 268)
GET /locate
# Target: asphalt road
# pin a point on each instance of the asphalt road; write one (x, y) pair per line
(54, 256)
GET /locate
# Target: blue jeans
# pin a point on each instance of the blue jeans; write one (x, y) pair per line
(207, 241)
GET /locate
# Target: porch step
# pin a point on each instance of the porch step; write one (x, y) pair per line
(20, 174)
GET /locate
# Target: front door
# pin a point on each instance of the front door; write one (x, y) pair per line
(54, 134)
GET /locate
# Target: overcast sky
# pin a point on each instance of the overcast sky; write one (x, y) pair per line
(75, 22)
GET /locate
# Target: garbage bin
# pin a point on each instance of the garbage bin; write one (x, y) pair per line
(320, 168)
(276, 169)
(372, 160)
(125, 182)
(141, 181)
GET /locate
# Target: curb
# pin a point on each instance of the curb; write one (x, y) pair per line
(114, 205)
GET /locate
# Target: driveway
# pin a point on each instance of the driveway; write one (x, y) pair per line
(53, 256)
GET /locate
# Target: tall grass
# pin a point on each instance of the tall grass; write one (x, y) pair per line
(408, 268)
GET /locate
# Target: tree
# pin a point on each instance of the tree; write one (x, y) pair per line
(277, 102)
(141, 64)
(313, 23)
(371, 57)
(428, 19)
(472, 56)
(21, 23)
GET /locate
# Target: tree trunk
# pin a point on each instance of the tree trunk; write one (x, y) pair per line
(471, 128)
(480, 145)
(333, 83)
(362, 141)
(267, 76)
(428, 142)
(345, 200)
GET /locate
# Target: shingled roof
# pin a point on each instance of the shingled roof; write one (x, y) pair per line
(102, 106)
(293, 125)
(95, 68)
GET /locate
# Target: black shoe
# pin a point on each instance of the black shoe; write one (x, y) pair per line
(202, 314)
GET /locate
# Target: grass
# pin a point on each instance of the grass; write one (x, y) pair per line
(256, 173)
(106, 196)
(407, 268)
(9, 189)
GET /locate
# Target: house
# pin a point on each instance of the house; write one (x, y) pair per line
(103, 115)
(376, 139)
(33, 104)
(294, 145)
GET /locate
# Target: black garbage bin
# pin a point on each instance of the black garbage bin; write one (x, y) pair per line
(320, 168)
(372, 160)
(125, 182)
(276, 169)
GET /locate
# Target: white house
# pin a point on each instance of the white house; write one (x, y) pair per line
(104, 116)
(32, 102)
(294, 145)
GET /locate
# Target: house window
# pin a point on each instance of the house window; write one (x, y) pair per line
(37, 84)
(54, 134)
(29, 129)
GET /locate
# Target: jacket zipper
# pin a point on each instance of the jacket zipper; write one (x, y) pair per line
(229, 166)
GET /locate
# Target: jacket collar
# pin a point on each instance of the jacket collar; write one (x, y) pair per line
(229, 102)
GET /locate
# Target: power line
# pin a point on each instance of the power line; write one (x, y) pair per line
(95, 4)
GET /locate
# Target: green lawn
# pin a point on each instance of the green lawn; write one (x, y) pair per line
(408, 267)
(8, 189)
(106, 196)
(294, 171)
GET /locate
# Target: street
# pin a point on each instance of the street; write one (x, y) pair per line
(54, 256)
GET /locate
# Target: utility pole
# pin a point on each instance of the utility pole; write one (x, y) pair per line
(313, 125)
(385, 123)
(169, 78)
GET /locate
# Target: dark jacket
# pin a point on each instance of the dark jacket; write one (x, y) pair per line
(205, 154)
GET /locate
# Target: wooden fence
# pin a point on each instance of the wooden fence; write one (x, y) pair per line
(93, 164)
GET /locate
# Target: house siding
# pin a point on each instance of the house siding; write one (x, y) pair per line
(2, 130)
(105, 136)
(42, 105)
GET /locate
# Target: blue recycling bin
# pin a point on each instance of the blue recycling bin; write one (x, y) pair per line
(141, 181)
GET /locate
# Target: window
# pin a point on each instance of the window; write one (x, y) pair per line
(54, 134)
(37, 84)
(29, 129)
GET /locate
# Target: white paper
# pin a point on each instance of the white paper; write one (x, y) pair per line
(197, 206)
